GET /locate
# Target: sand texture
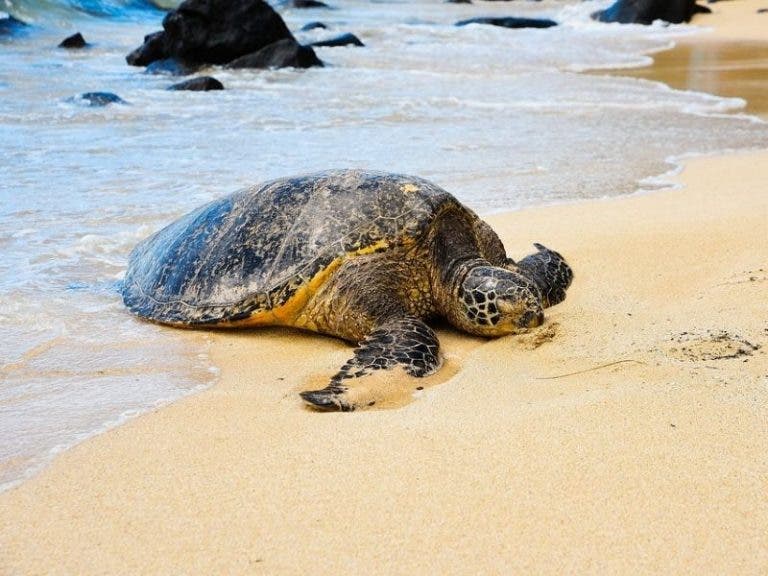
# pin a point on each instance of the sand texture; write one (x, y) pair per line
(739, 21)
(627, 435)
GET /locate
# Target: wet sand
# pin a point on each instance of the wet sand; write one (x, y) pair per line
(729, 59)
(626, 435)
(723, 67)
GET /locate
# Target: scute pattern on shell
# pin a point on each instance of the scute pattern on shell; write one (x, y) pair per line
(252, 250)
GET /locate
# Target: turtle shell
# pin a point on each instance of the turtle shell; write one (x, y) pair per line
(253, 251)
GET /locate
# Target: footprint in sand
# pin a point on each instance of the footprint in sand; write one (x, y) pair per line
(710, 345)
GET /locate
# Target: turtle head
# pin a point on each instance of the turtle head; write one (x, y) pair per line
(492, 301)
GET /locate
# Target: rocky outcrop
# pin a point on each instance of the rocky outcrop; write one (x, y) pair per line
(73, 42)
(199, 84)
(647, 11)
(222, 32)
(347, 39)
(286, 53)
(99, 99)
(511, 22)
(218, 31)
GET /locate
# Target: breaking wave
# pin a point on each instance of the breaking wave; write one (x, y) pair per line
(43, 12)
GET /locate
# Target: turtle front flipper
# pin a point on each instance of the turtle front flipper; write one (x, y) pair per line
(405, 342)
(550, 273)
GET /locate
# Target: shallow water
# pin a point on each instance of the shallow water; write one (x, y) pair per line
(502, 118)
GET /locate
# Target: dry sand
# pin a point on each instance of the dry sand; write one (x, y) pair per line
(629, 434)
(738, 21)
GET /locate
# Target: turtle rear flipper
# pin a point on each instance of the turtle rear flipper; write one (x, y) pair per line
(405, 342)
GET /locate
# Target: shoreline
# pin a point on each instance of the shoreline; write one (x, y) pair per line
(637, 408)
(728, 57)
(725, 67)
(580, 447)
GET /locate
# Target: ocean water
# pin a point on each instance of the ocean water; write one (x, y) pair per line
(502, 118)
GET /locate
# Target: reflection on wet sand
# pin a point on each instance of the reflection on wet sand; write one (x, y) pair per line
(725, 68)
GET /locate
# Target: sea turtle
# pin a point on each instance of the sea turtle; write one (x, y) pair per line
(360, 255)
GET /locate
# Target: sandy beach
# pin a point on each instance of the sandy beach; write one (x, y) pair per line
(627, 435)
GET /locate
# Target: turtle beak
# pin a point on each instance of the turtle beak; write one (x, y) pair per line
(520, 315)
(531, 319)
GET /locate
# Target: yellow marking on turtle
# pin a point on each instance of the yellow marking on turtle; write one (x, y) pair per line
(409, 188)
(289, 313)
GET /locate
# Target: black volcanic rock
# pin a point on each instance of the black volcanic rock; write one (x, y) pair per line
(511, 22)
(73, 42)
(199, 84)
(646, 11)
(212, 32)
(309, 4)
(11, 25)
(286, 53)
(152, 49)
(342, 40)
(312, 26)
(100, 99)
(171, 67)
